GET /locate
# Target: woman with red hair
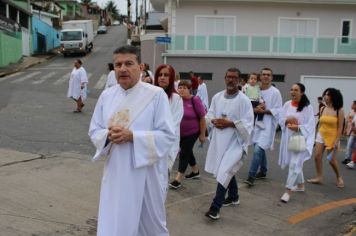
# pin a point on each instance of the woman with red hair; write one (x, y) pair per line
(164, 78)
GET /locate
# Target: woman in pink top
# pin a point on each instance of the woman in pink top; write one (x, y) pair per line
(192, 127)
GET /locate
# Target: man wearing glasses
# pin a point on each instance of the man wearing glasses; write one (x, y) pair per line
(263, 138)
(230, 118)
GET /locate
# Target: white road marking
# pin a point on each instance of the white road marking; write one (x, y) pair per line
(62, 79)
(44, 78)
(28, 76)
(101, 82)
(66, 77)
(10, 76)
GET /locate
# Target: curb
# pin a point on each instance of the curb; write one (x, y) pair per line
(41, 60)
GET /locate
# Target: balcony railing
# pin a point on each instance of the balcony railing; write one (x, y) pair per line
(264, 45)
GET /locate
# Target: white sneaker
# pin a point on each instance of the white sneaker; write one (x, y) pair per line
(297, 189)
(351, 164)
(260, 124)
(285, 198)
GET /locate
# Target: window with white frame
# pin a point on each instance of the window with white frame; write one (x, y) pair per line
(213, 25)
(298, 27)
(345, 31)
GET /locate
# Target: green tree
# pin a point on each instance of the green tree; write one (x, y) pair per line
(87, 2)
(112, 8)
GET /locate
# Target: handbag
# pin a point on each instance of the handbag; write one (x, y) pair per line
(297, 142)
(196, 113)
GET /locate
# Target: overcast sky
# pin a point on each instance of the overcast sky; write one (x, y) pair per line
(122, 5)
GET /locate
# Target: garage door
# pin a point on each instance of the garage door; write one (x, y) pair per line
(315, 86)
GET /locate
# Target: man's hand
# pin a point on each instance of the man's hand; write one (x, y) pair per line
(260, 109)
(222, 123)
(293, 127)
(118, 134)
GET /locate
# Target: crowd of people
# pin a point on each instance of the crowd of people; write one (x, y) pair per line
(147, 120)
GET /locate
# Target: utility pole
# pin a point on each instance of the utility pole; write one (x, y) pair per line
(145, 12)
(137, 23)
(128, 19)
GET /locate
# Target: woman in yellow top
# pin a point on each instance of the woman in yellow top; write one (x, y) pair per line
(329, 134)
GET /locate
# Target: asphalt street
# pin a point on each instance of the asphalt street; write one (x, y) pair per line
(49, 186)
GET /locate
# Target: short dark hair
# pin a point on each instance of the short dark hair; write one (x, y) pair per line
(111, 66)
(233, 69)
(147, 66)
(128, 49)
(79, 61)
(266, 68)
(253, 73)
(185, 83)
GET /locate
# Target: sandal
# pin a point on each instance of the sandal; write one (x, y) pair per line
(77, 111)
(340, 183)
(314, 181)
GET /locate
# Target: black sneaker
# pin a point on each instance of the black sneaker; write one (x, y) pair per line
(229, 201)
(260, 175)
(345, 161)
(213, 213)
(193, 175)
(249, 181)
(175, 184)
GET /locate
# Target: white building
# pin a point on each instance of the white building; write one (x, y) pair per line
(301, 40)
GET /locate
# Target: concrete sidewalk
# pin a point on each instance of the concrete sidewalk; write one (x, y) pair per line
(58, 195)
(26, 62)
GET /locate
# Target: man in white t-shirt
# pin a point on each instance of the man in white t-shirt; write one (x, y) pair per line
(263, 138)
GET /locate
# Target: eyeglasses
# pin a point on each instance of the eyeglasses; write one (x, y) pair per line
(232, 77)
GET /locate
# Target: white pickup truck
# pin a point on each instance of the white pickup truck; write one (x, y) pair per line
(76, 37)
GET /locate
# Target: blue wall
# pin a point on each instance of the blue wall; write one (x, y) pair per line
(48, 31)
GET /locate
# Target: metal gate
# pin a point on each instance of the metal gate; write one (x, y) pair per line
(41, 43)
(25, 42)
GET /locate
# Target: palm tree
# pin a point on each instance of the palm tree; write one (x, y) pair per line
(86, 2)
(112, 8)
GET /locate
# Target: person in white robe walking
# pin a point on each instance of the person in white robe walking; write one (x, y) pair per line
(164, 78)
(296, 117)
(203, 93)
(230, 117)
(78, 82)
(263, 135)
(132, 128)
(111, 78)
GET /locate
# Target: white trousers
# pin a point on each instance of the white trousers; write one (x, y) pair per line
(294, 177)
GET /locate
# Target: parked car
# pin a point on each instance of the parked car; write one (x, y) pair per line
(102, 29)
(116, 22)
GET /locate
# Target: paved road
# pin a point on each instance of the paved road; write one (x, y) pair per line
(34, 107)
(49, 186)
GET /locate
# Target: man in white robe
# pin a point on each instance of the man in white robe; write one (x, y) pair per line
(132, 127)
(111, 78)
(230, 117)
(203, 93)
(78, 82)
(263, 136)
